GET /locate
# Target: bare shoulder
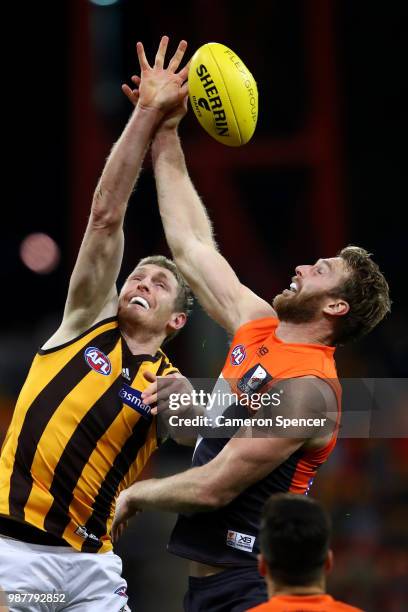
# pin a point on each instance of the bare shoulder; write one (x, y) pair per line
(76, 323)
(309, 390)
(252, 307)
(310, 405)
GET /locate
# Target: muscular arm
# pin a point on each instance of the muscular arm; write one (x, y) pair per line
(189, 235)
(92, 290)
(242, 462)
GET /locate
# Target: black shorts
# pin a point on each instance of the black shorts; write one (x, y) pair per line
(233, 590)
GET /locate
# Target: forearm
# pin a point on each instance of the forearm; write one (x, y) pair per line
(181, 209)
(122, 168)
(241, 463)
(185, 492)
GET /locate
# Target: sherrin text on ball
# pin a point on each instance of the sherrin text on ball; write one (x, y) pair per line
(223, 94)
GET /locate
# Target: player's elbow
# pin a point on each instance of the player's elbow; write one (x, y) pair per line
(189, 248)
(107, 210)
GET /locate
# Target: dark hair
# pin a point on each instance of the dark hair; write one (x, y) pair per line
(294, 537)
(184, 300)
(365, 290)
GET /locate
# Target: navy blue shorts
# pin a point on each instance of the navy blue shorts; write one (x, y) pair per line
(233, 590)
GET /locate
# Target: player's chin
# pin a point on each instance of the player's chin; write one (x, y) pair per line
(133, 315)
(281, 299)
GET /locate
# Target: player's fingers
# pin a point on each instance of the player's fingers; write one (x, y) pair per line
(132, 94)
(178, 56)
(183, 74)
(150, 376)
(126, 90)
(149, 395)
(152, 388)
(144, 64)
(161, 52)
(150, 399)
(136, 79)
(184, 93)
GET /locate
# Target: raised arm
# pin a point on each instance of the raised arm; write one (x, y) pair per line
(92, 293)
(189, 235)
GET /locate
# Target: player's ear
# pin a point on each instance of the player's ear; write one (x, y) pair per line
(177, 320)
(336, 307)
(261, 564)
(328, 564)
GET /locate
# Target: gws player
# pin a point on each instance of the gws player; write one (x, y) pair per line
(296, 557)
(333, 301)
(80, 432)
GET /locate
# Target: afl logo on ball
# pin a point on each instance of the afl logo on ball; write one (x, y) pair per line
(238, 354)
(98, 361)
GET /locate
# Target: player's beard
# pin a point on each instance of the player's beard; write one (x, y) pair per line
(298, 308)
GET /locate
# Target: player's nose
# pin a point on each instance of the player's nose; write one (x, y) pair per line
(303, 271)
(144, 285)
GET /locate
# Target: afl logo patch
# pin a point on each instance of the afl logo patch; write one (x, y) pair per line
(98, 361)
(238, 354)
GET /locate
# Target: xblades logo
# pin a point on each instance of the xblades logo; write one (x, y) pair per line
(263, 350)
(241, 541)
(203, 103)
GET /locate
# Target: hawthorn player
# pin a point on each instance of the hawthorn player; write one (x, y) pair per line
(80, 432)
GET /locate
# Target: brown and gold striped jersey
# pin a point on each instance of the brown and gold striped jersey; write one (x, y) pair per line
(80, 433)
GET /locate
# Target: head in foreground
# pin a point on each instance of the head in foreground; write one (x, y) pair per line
(155, 299)
(345, 297)
(294, 539)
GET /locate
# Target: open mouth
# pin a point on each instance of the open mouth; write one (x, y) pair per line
(140, 302)
(293, 288)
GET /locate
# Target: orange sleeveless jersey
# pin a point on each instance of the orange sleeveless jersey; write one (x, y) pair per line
(304, 603)
(257, 352)
(256, 361)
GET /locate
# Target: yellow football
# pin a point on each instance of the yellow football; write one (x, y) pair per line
(223, 94)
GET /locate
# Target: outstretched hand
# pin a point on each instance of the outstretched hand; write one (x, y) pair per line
(123, 512)
(158, 88)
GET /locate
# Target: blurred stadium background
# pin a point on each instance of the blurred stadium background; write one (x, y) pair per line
(326, 167)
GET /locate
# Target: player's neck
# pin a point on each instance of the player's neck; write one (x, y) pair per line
(314, 332)
(142, 342)
(317, 588)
